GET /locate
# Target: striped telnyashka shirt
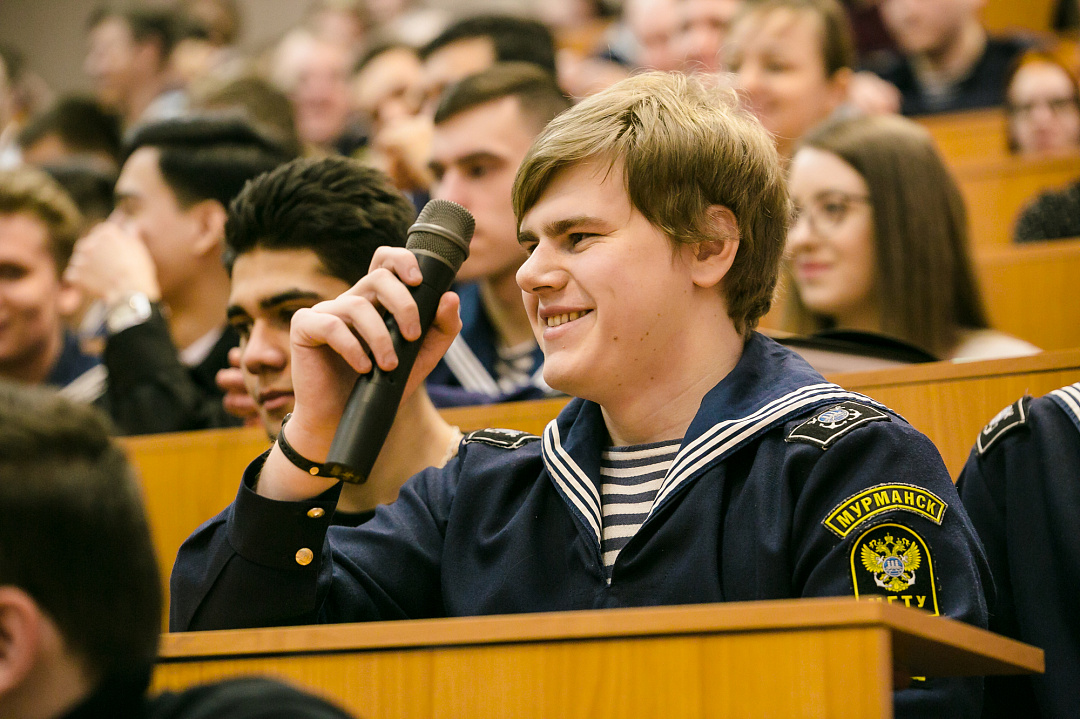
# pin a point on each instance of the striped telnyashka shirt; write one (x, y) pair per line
(630, 478)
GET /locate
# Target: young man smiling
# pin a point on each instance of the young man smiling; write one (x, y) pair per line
(701, 463)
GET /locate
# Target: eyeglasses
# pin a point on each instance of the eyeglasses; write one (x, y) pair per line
(827, 210)
(1057, 106)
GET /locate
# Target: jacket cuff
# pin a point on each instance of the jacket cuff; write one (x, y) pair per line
(276, 534)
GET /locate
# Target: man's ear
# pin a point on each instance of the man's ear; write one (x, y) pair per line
(209, 216)
(713, 258)
(21, 627)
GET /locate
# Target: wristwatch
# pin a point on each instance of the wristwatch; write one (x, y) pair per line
(132, 309)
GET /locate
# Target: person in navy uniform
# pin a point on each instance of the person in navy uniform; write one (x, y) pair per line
(1021, 486)
(699, 462)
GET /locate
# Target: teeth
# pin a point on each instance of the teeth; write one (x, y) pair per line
(564, 318)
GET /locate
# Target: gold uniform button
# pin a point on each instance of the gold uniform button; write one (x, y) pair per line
(304, 557)
(316, 512)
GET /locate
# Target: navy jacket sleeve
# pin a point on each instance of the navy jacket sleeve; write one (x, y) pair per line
(291, 567)
(1023, 494)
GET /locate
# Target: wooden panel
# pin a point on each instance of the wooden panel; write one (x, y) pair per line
(1001, 16)
(996, 189)
(797, 658)
(950, 402)
(1028, 290)
(973, 135)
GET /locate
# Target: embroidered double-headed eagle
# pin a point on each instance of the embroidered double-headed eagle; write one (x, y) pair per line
(892, 562)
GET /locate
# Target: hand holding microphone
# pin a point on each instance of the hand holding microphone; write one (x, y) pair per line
(376, 329)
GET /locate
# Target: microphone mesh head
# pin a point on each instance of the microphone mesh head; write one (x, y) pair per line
(443, 228)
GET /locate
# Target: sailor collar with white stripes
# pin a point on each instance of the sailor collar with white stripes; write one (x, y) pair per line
(1068, 399)
(769, 386)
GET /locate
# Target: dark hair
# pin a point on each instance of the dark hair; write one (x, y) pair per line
(515, 39)
(146, 25)
(338, 208)
(89, 186)
(208, 158)
(81, 123)
(925, 281)
(255, 100)
(380, 47)
(537, 92)
(220, 28)
(73, 532)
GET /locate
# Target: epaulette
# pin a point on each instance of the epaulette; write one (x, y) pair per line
(829, 425)
(504, 438)
(1008, 419)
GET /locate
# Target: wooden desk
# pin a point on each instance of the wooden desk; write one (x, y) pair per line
(996, 189)
(1030, 291)
(794, 658)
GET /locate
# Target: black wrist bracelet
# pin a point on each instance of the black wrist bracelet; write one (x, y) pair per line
(315, 469)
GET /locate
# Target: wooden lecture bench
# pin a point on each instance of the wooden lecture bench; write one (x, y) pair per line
(1029, 290)
(995, 189)
(965, 136)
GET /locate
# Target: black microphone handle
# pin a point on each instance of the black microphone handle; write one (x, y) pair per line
(373, 402)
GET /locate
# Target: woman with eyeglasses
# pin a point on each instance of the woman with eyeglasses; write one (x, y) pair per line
(879, 242)
(1043, 106)
(1044, 119)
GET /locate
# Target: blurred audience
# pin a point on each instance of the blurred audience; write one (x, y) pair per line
(792, 60)
(475, 43)
(39, 225)
(345, 23)
(320, 95)
(254, 100)
(155, 267)
(652, 25)
(74, 128)
(206, 42)
(946, 61)
(128, 63)
(89, 186)
(465, 47)
(703, 29)
(880, 244)
(1043, 106)
(387, 85)
(483, 127)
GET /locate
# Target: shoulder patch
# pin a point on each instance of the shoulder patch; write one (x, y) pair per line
(881, 498)
(504, 438)
(1008, 419)
(831, 424)
(891, 563)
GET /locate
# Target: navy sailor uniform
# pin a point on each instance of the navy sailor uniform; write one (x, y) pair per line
(784, 486)
(1021, 487)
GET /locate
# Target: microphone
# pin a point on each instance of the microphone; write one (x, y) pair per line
(440, 240)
